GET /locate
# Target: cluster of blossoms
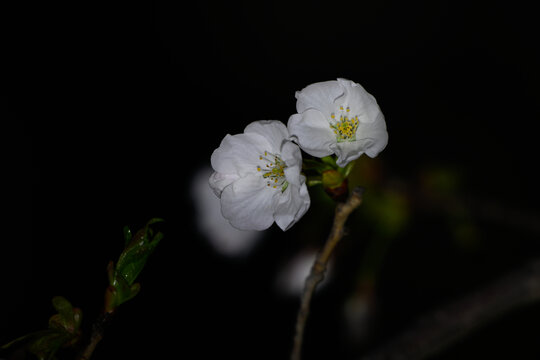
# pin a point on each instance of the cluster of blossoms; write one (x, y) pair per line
(257, 174)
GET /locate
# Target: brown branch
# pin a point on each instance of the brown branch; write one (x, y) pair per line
(440, 328)
(318, 270)
(89, 350)
(98, 329)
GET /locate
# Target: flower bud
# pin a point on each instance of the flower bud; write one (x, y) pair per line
(335, 185)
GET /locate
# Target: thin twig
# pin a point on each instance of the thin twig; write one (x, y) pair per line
(343, 210)
(98, 329)
(437, 330)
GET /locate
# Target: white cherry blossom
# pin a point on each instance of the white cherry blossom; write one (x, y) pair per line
(338, 117)
(257, 177)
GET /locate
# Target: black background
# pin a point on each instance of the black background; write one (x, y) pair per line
(112, 107)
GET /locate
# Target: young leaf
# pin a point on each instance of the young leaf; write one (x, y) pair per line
(63, 331)
(122, 286)
(127, 235)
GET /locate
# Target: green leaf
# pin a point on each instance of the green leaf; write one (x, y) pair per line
(153, 221)
(120, 292)
(19, 340)
(134, 257)
(133, 290)
(46, 345)
(65, 319)
(138, 248)
(127, 235)
(63, 331)
(63, 306)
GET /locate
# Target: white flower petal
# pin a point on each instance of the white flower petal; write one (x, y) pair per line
(292, 156)
(274, 131)
(347, 152)
(248, 204)
(363, 103)
(312, 132)
(224, 238)
(303, 194)
(338, 117)
(373, 137)
(219, 181)
(239, 154)
(292, 174)
(292, 205)
(319, 96)
(258, 177)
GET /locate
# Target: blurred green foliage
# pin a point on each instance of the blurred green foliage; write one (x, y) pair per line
(65, 327)
(63, 331)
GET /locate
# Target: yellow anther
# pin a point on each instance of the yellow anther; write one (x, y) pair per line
(273, 171)
(345, 128)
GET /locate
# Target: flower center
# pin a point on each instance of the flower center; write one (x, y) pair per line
(345, 127)
(273, 170)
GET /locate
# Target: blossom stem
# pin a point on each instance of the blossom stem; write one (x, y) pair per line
(318, 270)
(314, 181)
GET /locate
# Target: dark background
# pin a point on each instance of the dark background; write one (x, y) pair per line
(111, 109)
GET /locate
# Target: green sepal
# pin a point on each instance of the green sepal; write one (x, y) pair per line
(333, 178)
(315, 165)
(325, 164)
(314, 180)
(345, 171)
(330, 161)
